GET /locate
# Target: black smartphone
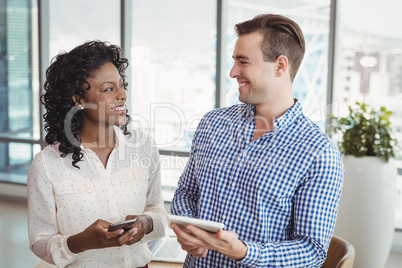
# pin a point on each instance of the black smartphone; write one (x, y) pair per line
(125, 225)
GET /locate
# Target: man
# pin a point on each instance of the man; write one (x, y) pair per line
(262, 168)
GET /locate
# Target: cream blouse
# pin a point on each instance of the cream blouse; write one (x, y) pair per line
(64, 200)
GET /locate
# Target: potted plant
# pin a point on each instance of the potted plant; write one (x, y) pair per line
(367, 207)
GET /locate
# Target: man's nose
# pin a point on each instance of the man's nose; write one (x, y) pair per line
(234, 72)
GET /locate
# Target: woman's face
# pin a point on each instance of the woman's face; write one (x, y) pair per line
(104, 102)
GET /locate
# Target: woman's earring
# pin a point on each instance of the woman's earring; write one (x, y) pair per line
(79, 106)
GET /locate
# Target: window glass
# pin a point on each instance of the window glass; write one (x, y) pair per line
(19, 90)
(15, 167)
(171, 169)
(73, 22)
(173, 68)
(310, 85)
(369, 64)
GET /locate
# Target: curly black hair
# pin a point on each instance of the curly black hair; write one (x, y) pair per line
(65, 78)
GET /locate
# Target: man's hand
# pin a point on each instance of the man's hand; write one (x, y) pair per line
(197, 242)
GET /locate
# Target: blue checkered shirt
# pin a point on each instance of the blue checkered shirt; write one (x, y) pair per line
(279, 193)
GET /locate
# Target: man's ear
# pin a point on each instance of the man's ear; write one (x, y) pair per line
(281, 65)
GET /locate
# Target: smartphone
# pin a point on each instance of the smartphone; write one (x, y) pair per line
(125, 225)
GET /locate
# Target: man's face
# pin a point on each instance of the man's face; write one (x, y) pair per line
(253, 74)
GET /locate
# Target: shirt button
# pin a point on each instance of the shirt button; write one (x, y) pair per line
(223, 217)
(233, 184)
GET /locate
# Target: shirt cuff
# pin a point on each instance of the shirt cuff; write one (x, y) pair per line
(60, 251)
(253, 254)
(158, 229)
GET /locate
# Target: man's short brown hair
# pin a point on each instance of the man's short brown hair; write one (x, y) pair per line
(282, 36)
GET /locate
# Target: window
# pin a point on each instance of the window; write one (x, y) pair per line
(173, 67)
(173, 58)
(176, 49)
(369, 64)
(73, 22)
(19, 90)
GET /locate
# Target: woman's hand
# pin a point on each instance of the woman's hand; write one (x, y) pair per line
(97, 235)
(143, 226)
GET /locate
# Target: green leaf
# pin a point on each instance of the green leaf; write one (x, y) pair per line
(366, 132)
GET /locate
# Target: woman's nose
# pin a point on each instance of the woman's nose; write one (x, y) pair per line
(122, 94)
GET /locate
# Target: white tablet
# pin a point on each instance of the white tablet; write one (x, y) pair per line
(210, 226)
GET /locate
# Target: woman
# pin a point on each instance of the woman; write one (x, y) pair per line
(94, 171)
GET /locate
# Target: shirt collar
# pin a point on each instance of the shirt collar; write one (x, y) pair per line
(120, 137)
(290, 116)
(249, 113)
(284, 120)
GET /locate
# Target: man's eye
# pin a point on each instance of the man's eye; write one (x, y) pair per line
(243, 62)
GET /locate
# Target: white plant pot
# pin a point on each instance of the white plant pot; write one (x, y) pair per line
(367, 209)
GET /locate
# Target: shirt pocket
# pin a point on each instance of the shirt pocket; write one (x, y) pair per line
(79, 186)
(127, 176)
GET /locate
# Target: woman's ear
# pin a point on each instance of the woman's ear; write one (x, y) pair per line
(281, 65)
(77, 101)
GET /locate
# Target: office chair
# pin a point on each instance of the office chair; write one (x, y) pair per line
(341, 254)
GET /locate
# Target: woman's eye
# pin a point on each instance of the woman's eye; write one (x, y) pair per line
(109, 89)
